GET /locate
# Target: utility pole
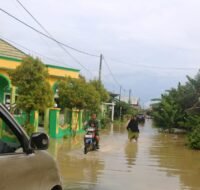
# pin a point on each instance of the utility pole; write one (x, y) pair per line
(100, 67)
(120, 91)
(129, 98)
(120, 108)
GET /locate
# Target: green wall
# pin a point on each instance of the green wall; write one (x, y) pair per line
(4, 87)
(68, 125)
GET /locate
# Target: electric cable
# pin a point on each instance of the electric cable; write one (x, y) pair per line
(47, 36)
(111, 72)
(153, 66)
(30, 51)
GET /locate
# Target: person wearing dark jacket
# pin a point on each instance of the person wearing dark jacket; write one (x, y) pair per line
(133, 130)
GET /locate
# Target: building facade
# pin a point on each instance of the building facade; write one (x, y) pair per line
(10, 58)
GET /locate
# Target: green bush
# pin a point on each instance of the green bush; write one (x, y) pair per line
(104, 122)
(29, 129)
(194, 138)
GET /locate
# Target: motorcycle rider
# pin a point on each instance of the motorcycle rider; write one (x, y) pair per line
(93, 122)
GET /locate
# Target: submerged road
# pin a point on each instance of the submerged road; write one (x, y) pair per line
(156, 162)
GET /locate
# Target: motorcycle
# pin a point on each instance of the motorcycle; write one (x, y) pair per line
(90, 142)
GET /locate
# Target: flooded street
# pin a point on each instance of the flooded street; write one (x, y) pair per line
(155, 162)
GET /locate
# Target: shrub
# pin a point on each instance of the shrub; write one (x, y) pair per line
(29, 128)
(194, 138)
(104, 122)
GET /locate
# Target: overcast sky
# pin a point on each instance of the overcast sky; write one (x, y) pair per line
(149, 45)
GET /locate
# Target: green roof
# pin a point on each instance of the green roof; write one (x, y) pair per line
(9, 50)
(63, 68)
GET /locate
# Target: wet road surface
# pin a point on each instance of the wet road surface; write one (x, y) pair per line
(156, 162)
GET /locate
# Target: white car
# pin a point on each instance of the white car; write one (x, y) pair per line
(24, 163)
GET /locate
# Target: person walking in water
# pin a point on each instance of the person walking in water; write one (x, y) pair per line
(133, 130)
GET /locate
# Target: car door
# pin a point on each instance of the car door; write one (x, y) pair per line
(18, 170)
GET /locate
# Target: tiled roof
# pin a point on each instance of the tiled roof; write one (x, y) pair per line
(9, 50)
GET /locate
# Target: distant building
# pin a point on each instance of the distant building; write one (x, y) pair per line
(134, 101)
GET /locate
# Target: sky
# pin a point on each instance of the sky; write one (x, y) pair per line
(148, 45)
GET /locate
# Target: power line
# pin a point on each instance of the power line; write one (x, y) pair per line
(35, 52)
(111, 72)
(16, 5)
(42, 26)
(86, 53)
(153, 66)
(116, 81)
(25, 48)
(33, 18)
(47, 36)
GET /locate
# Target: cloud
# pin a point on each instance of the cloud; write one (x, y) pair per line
(142, 36)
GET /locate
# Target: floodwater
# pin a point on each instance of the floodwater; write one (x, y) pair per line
(156, 162)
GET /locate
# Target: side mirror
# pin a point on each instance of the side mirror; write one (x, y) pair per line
(39, 141)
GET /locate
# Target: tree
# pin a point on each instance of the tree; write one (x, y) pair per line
(77, 93)
(194, 138)
(167, 114)
(180, 107)
(124, 108)
(33, 89)
(93, 99)
(104, 95)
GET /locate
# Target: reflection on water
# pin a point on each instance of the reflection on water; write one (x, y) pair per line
(176, 160)
(76, 168)
(130, 153)
(155, 162)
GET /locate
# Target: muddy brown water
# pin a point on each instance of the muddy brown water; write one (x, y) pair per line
(156, 162)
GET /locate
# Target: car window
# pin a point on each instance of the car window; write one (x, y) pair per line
(9, 142)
